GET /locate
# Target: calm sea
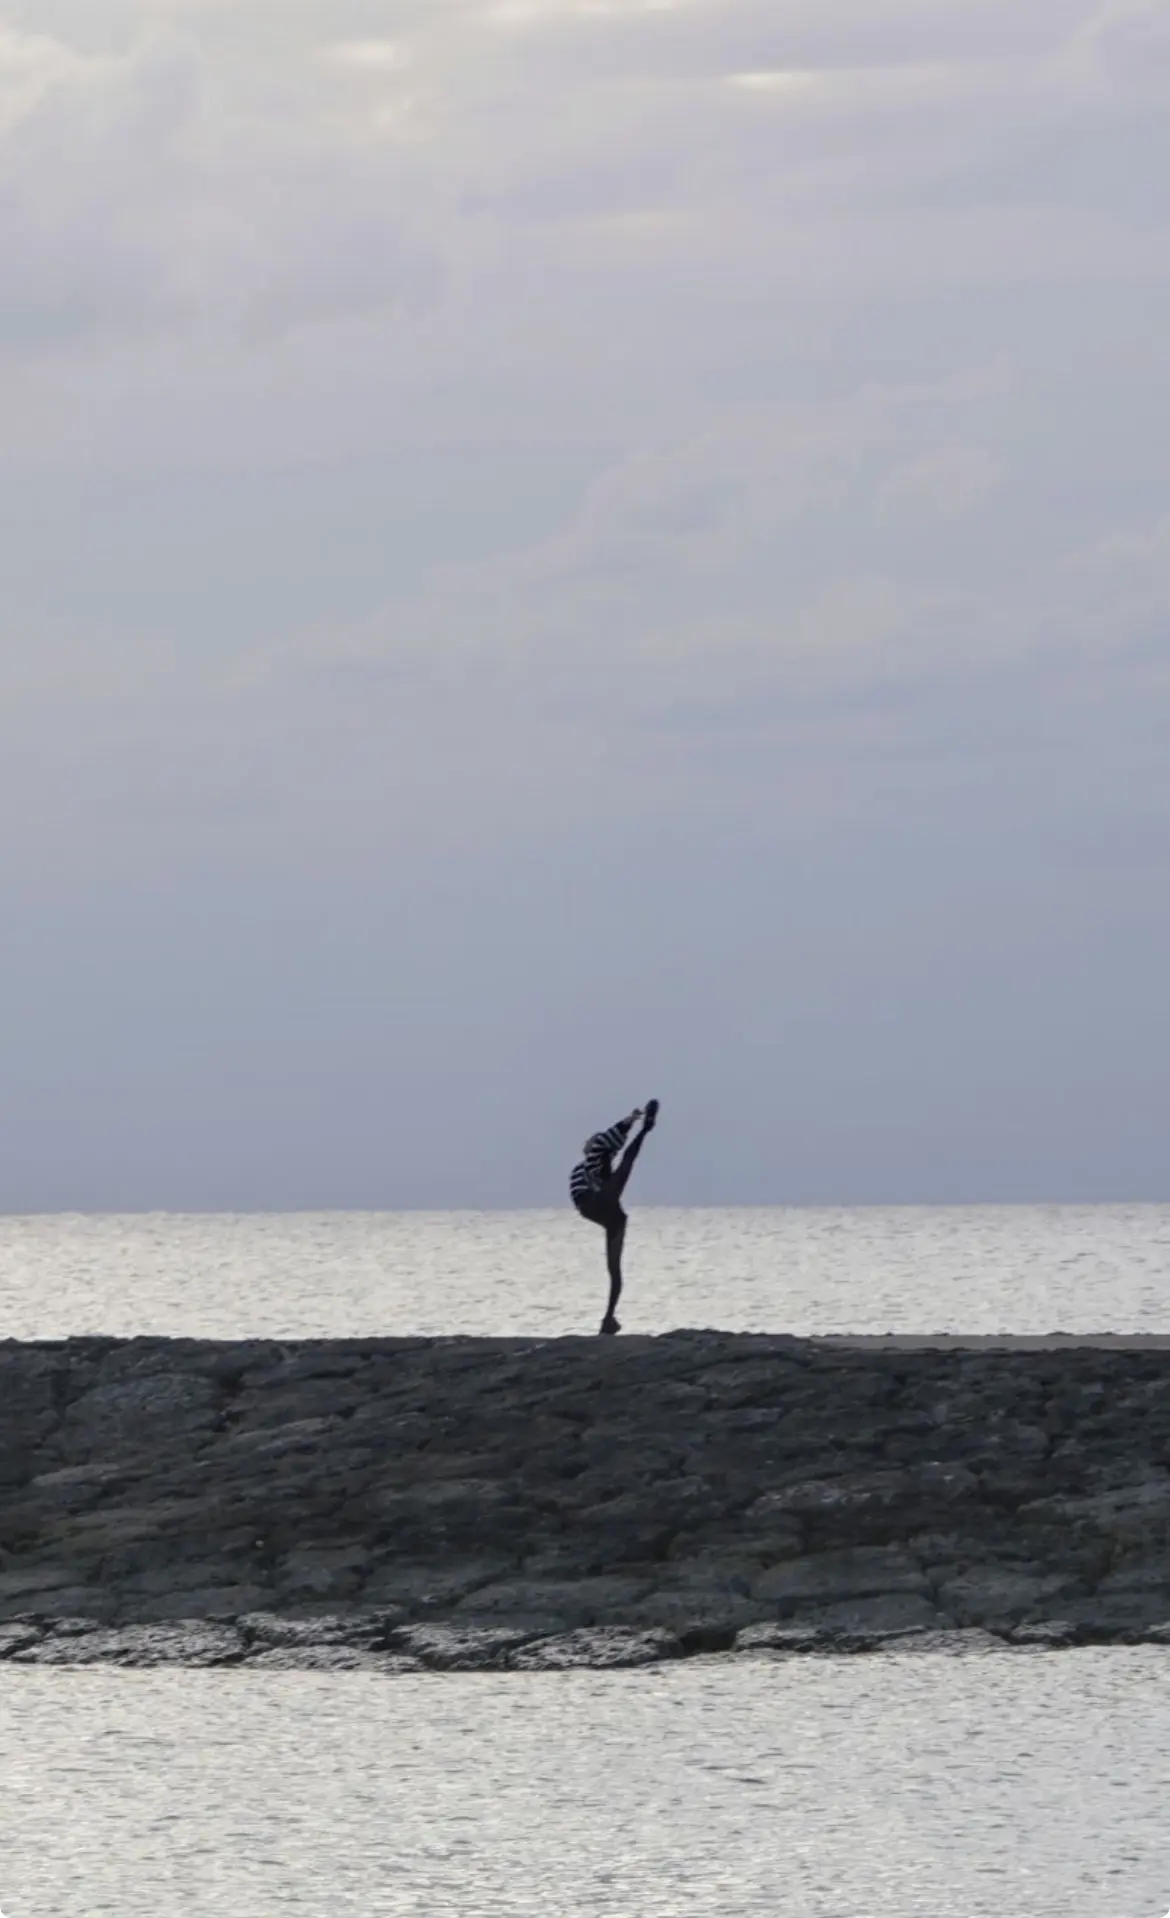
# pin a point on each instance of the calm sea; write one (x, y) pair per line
(1012, 1786)
(902, 1269)
(1016, 1786)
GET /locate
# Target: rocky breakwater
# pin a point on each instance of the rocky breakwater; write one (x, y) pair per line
(400, 1504)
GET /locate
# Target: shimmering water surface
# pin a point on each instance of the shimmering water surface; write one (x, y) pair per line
(1016, 1786)
(990, 1269)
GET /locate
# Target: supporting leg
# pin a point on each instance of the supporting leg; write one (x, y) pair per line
(615, 1238)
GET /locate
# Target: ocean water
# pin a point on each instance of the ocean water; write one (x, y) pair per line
(1019, 1785)
(1009, 1786)
(903, 1269)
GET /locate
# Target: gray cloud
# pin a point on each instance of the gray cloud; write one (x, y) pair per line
(138, 191)
(549, 545)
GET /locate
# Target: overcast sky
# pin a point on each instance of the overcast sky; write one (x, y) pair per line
(558, 551)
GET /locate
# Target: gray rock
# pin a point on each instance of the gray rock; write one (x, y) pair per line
(780, 1638)
(695, 1486)
(858, 1498)
(270, 1631)
(967, 1641)
(276, 1441)
(1046, 1635)
(583, 1601)
(1136, 1513)
(1118, 1617)
(191, 1643)
(866, 1572)
(331, 1658)
(68, 1600)
(1004, 1436)
(890, 1614)
(1145, 1575)
(697, 1615)
(463, 1648)
(994, 1594)
(213, 1601)
(606, 1648)
(29, 1584)
(727, 1575)
(422, 1589)
(69, 1484)
(322, 1572)
(18, 1636)
(135, 1409)
(865, 1624)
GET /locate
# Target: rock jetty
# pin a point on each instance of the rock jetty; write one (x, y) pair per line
(524, 1504)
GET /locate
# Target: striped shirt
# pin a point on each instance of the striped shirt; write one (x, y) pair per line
(594, 1169)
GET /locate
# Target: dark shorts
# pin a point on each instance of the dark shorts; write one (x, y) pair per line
(599, 1209)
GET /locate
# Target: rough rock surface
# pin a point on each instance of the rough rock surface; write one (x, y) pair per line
(455, 1504)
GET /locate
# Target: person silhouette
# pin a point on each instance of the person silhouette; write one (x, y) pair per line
(596, 1186)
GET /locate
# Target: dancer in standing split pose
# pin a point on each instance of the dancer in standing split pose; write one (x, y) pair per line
(596, 1186)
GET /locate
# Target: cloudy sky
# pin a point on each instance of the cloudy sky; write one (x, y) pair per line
(561, 550)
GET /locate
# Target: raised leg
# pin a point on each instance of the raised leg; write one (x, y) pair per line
(616, 1184)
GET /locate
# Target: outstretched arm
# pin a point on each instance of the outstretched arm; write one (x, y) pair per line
(615, 1135)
